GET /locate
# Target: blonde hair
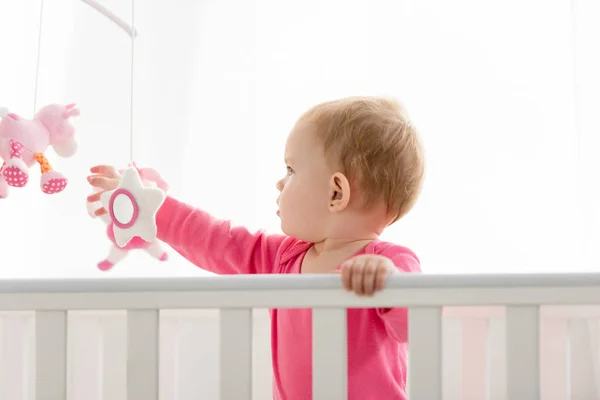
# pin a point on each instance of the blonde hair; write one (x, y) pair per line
(378, 149)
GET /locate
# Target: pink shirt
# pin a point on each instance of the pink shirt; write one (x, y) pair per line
(377, 347)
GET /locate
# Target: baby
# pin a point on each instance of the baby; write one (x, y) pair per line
(353, 167)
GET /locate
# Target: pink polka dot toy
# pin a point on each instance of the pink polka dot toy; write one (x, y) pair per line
(23, 142)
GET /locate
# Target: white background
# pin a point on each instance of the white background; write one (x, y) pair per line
(506, 95)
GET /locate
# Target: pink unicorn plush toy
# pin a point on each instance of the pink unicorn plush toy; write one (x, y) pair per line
(150, 178)
(23, 142)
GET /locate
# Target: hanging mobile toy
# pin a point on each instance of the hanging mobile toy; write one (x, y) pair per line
(111, 16)
(132, 207)
(23, 142)
(127, 219)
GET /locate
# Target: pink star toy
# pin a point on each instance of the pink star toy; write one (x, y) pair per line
(132, 207)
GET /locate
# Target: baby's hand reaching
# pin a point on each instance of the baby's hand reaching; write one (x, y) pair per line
(366, 273)
(105, 178)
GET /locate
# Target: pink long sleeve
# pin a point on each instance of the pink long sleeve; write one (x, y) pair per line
(396, 319)
(215, 245)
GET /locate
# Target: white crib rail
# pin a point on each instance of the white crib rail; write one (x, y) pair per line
(237, 296)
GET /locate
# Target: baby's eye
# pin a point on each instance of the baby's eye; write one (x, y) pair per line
(290, 171)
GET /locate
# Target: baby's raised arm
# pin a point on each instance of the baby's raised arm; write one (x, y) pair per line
(214, 244)
(210, 243)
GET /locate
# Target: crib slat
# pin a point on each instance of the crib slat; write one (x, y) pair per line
(452, 343)
(425, 353)
(522, 358)
(51, 355)
(17, 339)
(142, 354)
(496, 350)
(329, 354)
(236, 354)
(582, 375)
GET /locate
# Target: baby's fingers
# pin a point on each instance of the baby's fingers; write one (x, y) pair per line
(347, 275)
(380, 276)
(107, 170)
(100, 211)
(94, 197)
(357, 277)
(103, 182)
(369, 277)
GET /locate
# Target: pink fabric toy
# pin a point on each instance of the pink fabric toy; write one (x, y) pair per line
(150, 178)
(23, 142)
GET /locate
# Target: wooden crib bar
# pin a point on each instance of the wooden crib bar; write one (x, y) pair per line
(330, 371)
(522, 352)
(236, 353)
(51, 355)
(142, 354)
(425, 352)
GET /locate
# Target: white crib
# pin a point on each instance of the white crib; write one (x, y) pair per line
(146, 339)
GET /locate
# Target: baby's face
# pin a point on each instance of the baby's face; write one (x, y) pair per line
(304, 190)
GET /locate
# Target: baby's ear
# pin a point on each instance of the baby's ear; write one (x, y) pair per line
(339, 192)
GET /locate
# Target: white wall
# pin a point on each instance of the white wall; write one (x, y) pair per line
(474, 362)
(505, 93)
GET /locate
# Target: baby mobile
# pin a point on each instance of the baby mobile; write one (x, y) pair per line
(23, 142)
(131, 207)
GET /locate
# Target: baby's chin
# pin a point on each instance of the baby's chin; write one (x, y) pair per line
(286, 229)
(298, 234)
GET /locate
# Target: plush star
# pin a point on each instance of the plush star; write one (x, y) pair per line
(132, 207)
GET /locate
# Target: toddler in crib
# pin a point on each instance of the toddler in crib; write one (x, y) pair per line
(353, 167)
